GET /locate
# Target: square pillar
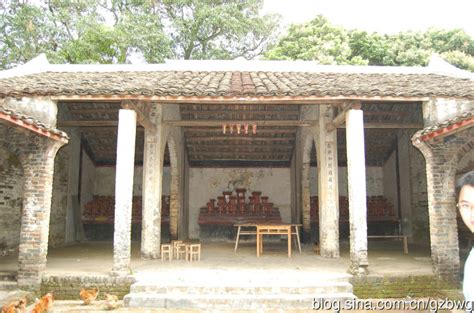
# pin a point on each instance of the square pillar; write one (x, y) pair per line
(124, 190)
(328, 188)
(357, 191)
(152, 190)
(37, 193)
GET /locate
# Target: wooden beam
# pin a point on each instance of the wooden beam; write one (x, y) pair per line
(238, 147)
(242, 112)
(296, 100)
(391, 125)
(93, 111)
(385, 113)
(80, 123)
(200, 123)
(235, 153)
(109, 123)
(341, 117)
(260, 131)
(142, 118)
(238, 163)
(237, 138)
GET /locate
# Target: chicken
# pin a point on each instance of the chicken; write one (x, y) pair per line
(9, 308)
(111, 301)
(89, 295)
(44, 304)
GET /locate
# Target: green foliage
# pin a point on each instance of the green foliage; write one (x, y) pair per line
(325, 43)
(114, 31)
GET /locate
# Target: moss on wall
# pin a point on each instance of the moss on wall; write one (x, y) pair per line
(401, 287)
(68, 287)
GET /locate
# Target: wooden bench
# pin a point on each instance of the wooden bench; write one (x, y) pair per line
(401, 237)
(250, 230)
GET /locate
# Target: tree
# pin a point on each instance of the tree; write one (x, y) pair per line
(316, 40)
(320, 41)
(208, 29)
(115, 31)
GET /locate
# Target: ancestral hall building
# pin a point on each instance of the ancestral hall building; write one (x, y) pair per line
(130, 150)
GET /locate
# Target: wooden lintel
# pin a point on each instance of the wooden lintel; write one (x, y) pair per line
(201, 123)
(238, 147)
(341, 117)
(141, 116)
(80, 123)
(93, 111)
(237, 138)
(385, 113)
(242, 112)
(218, 129)
(391, 125)
(109, 123)
(297, 100)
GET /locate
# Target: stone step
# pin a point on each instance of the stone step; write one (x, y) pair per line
(318, 288)
(229, 301)
(8, 285)
(7, 276)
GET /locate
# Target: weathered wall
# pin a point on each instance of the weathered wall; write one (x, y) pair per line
(374, 181)
(390, 180)
(57, 221)
(88, 177)
(404, 145)
(438, 110)
(419, 198)
(465, 165)
(104, 184)
(207, 183)
(11, 192)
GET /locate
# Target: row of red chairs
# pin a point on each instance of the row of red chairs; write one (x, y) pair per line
(377, 206)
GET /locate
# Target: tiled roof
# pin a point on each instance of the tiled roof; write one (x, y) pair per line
(236, 84)
(31, 123)
(466, 119)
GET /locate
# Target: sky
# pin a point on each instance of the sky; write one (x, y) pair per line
(382, 16)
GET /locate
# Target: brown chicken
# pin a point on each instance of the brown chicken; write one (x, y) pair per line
(17, 306)
(9, 308)
(111, 301)
(44, 304)
(89, 295)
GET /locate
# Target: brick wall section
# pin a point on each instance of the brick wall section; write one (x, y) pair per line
(57, 225)
(68, 287)
(441, 163)
(11, 192)
(36, 154)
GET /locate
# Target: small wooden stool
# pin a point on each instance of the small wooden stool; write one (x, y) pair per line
(166, 252)
(193, 250)
(174, 243)
(181, 251)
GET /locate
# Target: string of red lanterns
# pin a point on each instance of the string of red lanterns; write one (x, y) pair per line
(238, 128)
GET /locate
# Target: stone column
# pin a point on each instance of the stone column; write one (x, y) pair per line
(328, 189)
(441, 165)
(152, 189)
(306, 199)
(37, 193)
(124, 190)
(357, 191)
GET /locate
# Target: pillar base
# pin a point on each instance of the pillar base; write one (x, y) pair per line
(359, 271)
(334, 254)
(149, 256)
(121, 272)
(29, 285)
